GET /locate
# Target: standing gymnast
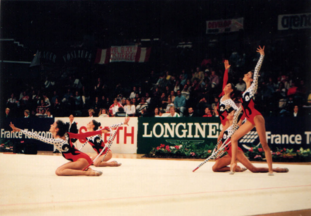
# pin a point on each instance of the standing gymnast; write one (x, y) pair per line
(98, 145)
(80, 162)
(221, 165)
(254, 118)
(226, 104)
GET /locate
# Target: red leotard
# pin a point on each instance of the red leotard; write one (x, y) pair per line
(97, 143)
(66, 147)
(247, 97)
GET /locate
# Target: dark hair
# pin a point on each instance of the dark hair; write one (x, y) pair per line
(96, 124)
(62, 128)
(233, 90)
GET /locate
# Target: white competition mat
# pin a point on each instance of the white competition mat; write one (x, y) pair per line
(29, 186)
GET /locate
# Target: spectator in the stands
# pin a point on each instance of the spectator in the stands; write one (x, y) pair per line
(167, 90)
(46, 101)
(56, 108)
(169, 104)
(240, 85)
(177, 86)
(296, 112)
(173, 112)
(180, 103)
(91, 113)
(12, 102)
(140, 92)
(183, 77)
(191, 112)
(172, 95)
(41, 108)
(120, 112)
(129, 108)
(133, 93)
(103, 113)
(7, 112)
(96, 105)
(142, 105)
(163, 100)
(207, 112)
(78, 101)
(48, 114)
(55, 95)
(202, 105)
(215, 112)
(199, 75)
(26, 114)
(24, 99)
(114, 107)
(123, 101)
(67, 96)
(157, 113)
(148, 98)
(98, 86)
(214, 79)
(292, 90)
(156, 92)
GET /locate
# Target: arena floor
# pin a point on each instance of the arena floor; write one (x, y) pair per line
(29, 186)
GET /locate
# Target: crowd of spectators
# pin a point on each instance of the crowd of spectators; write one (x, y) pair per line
(191, 91)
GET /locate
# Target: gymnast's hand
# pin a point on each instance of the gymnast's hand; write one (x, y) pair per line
(226, 63)
(126, 121)
(261, 50)
(14, 128)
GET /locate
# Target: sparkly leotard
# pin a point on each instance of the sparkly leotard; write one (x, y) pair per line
(66, 147)
(247, 97)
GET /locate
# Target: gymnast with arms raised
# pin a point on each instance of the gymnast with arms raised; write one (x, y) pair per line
(98, 144)
(221, 164)
(253, 116)
(226, 104)
(79, 161)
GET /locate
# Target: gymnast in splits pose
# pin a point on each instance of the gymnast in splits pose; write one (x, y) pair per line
(98, 144)
(79, 161)
(254, 118)
(221, 165)
(226, 104)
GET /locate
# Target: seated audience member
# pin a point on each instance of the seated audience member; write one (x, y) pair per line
(157, 112)
(26, 114)
(207, 112)
(215, 112)
(169, 105)
(114, 107)
(296, 112)
(129, 108)
(180, 102)
(120, 112)
(173, 112)
(103, 113)
(142, 105)
(48, 114)
(91, 113)
(191, 112)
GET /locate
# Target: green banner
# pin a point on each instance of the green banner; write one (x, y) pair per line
(176, 131)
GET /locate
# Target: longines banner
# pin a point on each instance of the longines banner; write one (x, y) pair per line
(294, 21)
(125, 140)
(292, 133)
(175, 131)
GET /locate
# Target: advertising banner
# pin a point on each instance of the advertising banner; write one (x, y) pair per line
(36, 125)
(223, 26)
(122, 54)
(176, 131)
(294, 21)
(125, 140)
(292, 133)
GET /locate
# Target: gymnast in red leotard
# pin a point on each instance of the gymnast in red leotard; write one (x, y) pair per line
(254, 118)
(98, 144)
(79, 161)
(221, 165)
(226, 104)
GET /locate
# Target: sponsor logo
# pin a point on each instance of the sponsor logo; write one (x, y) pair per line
(294, 21)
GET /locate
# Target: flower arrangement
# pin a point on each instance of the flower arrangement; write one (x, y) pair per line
(189, 150)
(6, 146)
(186, 150)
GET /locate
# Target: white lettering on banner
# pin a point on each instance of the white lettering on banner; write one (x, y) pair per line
(184, 132)
(283, 138)
(308, 133)
(169, 129)
(189, 130)
(123, 53)
(212, 132)
(199, 128)
(126, 136)
(19, 135)
(294, 21)
(154, 130)
(146, 130)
